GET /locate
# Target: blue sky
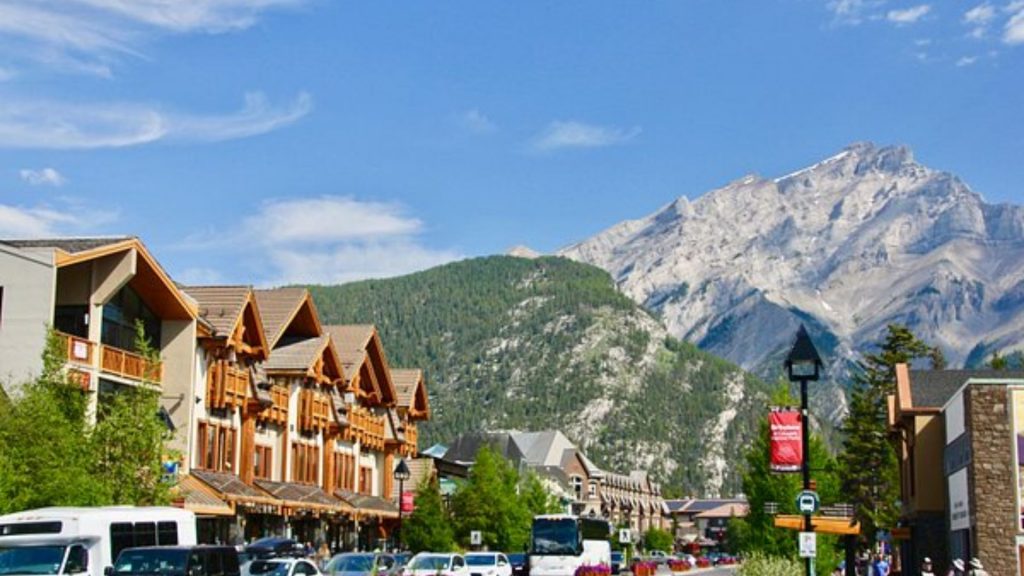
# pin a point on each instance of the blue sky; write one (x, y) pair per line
(273, 141)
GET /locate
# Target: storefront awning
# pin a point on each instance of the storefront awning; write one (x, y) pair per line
(201, 499)
(297, 497)
(367, 505)
(230, 489)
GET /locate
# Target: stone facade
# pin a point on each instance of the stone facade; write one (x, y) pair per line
(991, 479)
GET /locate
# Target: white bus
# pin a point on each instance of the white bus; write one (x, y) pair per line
(51, 541)
(561, 543)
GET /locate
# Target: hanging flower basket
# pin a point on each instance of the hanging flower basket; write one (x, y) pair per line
(644, 568)
(678, 565)
(593, 570)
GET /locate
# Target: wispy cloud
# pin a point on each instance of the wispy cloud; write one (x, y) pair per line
(476, 121)
(326, 239)
(61, 125)
(69, 218)
(44, 177)
(853, 12)
(908, 15)
(1013, 33)
(966, 61)
(87, 35)
(572, 134)
(979, 18)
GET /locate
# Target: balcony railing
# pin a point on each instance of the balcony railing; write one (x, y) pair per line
(314, 410)
(411, 436)
(277, 412)
(77, 349)
(226, 385)
(129, 365)
(366, 427)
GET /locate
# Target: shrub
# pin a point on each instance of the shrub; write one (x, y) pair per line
(758, 564)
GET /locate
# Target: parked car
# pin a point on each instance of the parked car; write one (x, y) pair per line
(176, 561)
(617, 559)
(520, 563)
(360, 564)
(430, 564)
(275, 547)
(658, 556)
(283, 567)
(488, 564)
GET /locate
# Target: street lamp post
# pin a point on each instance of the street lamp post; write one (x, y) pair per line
(401, 474)
(803, 365)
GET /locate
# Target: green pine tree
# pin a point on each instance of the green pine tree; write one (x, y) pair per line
(489, 503)
(428, 528)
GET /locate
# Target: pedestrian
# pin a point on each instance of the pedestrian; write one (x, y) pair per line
(926, 567)
(880, 567)
(957, 569)
(976, 568)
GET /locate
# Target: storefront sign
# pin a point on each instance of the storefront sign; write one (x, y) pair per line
(959, 502)
(1017, 396)
(408, 502)
(786, 440)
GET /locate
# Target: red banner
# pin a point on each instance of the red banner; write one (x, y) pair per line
(786, 440)
(407, 502)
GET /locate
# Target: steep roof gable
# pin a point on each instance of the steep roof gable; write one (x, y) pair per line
(411, 392)
(374, 375)
(287, 311)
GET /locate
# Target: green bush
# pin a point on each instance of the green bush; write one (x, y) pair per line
(759, 564)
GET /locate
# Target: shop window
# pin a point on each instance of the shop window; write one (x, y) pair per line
(216, 447)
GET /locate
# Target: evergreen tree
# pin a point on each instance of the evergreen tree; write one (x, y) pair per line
(658, 539)
(428, 528)
(998, 361)
(488, 502)
(869, 463)
(535, 498)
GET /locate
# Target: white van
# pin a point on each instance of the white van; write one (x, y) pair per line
(52, 541)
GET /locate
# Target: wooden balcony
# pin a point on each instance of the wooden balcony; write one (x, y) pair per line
(78, 350)
(227, 386)
(129, 365)
(411, 438)
(365, 427)
(277, 412)
(314, 410)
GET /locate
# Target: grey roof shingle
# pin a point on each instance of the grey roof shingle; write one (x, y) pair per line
(405, 385)
(351, 337)
(70, 245)
(277, 307)
(933, 388)
(219, 306)
(295, 353)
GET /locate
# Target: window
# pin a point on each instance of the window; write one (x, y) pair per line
(78, 560)
(305, 568)
(305, 463)
(216, 450)
(119, 316)
(127, 535)
(577, 487)
(366, 480)
(344, 469)
(167, 533)
(72, 319)
(264, 462)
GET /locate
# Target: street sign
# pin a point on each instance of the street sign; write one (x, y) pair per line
(808, 544)
(476, 538)
(625, 537)
(807, 502)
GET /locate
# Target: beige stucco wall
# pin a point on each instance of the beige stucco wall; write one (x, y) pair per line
(177, 350)
(930, 440)
(28, 279)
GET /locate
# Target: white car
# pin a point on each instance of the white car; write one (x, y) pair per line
(430, 564)
(283, 567)
(488, 564)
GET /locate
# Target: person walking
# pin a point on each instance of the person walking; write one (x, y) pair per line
(976, 568)
(926, 567)
(880, 567)
(957, 568)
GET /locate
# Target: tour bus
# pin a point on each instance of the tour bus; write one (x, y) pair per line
(84, 541)
(561, 543)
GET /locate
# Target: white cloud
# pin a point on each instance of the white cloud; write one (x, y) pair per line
(572, 134)
(966, 61)
(326, 239)
(85, 36)
(46, 176)
(908, 15)
(979, 18)
(853, 12)
(1014, 32)
(60, 125)
(46, 221)
(476, 121)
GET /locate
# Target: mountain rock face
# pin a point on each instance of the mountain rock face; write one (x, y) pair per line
(865, 238)
(533, 344)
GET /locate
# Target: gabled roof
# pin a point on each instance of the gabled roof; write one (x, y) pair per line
(69, 245)
(464, 448)
(300, 355)
(226, 308)
(927, 391)
(287, 311)
(412, 392)
(544, 448)
(727, 510)
(354, 339)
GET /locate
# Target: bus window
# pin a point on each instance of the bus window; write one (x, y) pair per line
(78, 560)
(167, 533)
(145, 534)
(120, 538)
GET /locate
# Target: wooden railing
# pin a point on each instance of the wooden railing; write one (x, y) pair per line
(366, 427)
(277, 412)
(77, 349)
(411, 437)
(129, 365)
(226, 386)
(314, 410)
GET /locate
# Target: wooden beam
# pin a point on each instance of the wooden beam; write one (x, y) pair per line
(821, 524)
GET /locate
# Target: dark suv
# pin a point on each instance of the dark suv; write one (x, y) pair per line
(176, 561)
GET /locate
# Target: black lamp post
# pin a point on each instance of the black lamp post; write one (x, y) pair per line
(401, 474)
(803, 365)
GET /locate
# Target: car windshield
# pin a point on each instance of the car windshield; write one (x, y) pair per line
(481, 559)
(555, 536)
(350, 563)
(517, 558)
(430, 563)
(152, 561)
(31, 559)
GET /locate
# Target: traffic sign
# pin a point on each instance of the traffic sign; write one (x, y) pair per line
(476, 538)
(625, 536)
(808, 544)
(807, 502)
